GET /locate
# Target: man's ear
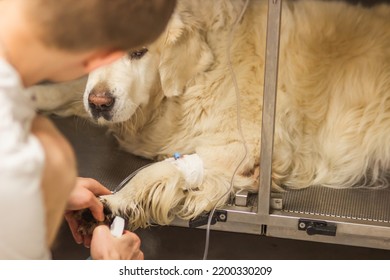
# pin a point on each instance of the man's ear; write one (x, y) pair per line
(102, 58)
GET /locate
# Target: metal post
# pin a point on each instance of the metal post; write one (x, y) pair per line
(269, 104)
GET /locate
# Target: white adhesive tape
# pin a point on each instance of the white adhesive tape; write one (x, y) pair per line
(191, 166)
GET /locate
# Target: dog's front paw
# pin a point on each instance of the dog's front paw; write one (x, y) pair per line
(154, 195)
(87, 222)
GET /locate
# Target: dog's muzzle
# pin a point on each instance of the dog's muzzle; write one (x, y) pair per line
(100, 104)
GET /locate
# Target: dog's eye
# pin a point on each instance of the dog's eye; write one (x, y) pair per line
(138, 53)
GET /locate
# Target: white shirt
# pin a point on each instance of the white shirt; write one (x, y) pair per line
(22, 222)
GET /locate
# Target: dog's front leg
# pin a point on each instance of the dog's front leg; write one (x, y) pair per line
(156, 194)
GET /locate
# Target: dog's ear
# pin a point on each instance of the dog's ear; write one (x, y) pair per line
(185, 54)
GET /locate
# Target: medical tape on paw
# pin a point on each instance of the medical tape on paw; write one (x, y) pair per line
(191, 166)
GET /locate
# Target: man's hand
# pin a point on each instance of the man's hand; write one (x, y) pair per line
(104, 246)
(83, 196)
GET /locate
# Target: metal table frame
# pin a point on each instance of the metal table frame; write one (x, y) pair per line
(262, 219)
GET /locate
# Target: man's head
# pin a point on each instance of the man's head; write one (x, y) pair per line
(112, 24)
(62, 40)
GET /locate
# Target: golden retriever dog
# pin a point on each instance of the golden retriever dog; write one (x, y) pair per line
(177, 95)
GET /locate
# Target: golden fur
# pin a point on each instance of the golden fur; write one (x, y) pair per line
(333, 103)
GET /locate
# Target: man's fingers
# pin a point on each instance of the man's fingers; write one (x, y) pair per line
(97, 189)
(97, 209)
(94, 186)
(73, 225)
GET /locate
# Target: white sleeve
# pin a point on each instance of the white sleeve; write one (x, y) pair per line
(23, 230)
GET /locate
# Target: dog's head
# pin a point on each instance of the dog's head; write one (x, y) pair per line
(164, 68)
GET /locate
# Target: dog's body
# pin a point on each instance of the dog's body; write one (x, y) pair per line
(333, 103)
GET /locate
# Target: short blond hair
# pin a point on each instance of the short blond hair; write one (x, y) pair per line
(85, 24)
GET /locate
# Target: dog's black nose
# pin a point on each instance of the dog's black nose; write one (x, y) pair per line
(100, 102)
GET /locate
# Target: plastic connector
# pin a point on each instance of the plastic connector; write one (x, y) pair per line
(117, 227)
